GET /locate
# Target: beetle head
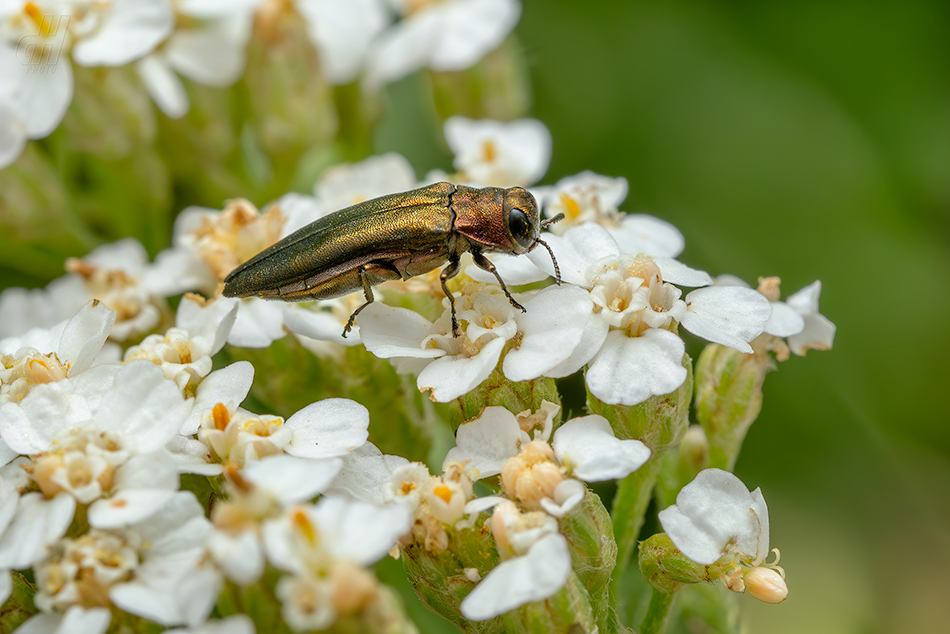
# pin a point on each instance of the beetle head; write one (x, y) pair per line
(522, 219)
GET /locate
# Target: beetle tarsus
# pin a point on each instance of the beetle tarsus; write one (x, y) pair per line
(486, 264)
(447, 273)
(367, 294)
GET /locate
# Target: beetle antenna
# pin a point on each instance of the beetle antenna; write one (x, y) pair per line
(557, 270)
(551, 221)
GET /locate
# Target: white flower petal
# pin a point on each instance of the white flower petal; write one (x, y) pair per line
(471, 29)
(239, 556)
(819, 331)
(451, 377)
(714, 510)
(535, 576)
(478, 505)
(642, 233)
(228, 386)
(259, 323)
(729, 315)
(85, 334)
(212, 55)
(403, 49)
(514, 269)
(43, 99)
(358, 531)
(487, 441)
(129, 29)
(552, 327)
(588, 445)
(163, 85)
(629, 370)
(365, 472)
(343, 32)
(567, 495)
(291, 479)
(592, 340)
(12, 135)
(75, 619)
(395, 332)
(675, 272)
(38, 523)
(784, 321)
(319, 324)
(576, 250)
(328, 428)
(127, 507)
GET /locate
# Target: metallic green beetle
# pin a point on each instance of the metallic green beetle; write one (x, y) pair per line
(394, 237)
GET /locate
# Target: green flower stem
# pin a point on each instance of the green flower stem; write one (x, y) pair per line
(658, 613)
(589, 533)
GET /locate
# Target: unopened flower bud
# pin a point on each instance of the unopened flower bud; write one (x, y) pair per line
(766, 585)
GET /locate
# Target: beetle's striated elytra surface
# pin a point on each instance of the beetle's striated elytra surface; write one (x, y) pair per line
(394, 237)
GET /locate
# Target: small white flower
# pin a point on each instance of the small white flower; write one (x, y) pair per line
(38, 523)
(75, 619)
(184, 352)
(535, 564)
(489, 152)
(628, 337)
(116, 33)
(715, 514)
(536, 474)
(590, 197)
(818, 331)
(44, 355)
(234, 624)
(343, 33)
(443, 36)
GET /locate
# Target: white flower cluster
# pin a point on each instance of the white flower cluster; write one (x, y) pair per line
(206, 40)
(94, 448)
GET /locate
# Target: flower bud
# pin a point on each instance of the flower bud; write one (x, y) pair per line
(766, 585)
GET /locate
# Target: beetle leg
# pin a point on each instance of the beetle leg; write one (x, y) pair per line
(367, 293)
(449, 272)
(485, 263)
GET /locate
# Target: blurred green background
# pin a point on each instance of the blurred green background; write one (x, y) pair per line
(808, 140)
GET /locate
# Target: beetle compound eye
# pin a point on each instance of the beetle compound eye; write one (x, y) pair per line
(520, 226)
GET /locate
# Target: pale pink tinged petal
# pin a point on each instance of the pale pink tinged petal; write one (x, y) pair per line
(675, 272)
(472, 29)
(38, 522)
(537, 575)
(163, 85)
(641, 233)
(715, 509)
(130, 29)
(85, 335)
(127, 507)
(365, 471)
(143, 406)
(359, 531)
(395, 332)
(292, 479)
(589, 447)
(43, 99)
(784, 321)
(552, 327)
(403, 49)
(487, 441)
(514, 269)
(729, 315)
(212, 55)
(12, 135)
(576, 250)
(629, 370)
(259, 323)
(451, 377)
(29, 428)
(328, 428)
(319, 324)
(595, 333)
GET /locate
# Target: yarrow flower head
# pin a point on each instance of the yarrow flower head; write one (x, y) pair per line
(716, 519)
(489, 152)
